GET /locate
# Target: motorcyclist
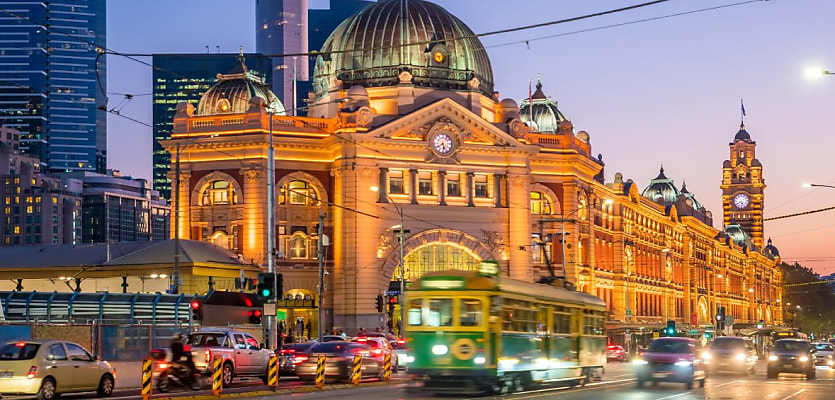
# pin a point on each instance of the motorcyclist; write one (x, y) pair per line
(180, 359)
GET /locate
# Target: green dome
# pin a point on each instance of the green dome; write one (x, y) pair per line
(366, 50)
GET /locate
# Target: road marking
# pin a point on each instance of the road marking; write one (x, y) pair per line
(550, 391)
(728, 383)
(795, 394)
(675, 395)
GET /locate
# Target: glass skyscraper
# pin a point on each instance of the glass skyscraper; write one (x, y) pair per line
(183, 78)
(49, 89)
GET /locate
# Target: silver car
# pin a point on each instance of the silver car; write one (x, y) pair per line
(824, 354)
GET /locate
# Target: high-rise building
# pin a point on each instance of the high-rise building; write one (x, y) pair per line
(53, 82)
(182, 78)
(282, 29)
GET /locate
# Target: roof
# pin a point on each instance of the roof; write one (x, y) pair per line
(742, 134)
(191, 251)
(540, 112)
(234, 94)
(661, 189)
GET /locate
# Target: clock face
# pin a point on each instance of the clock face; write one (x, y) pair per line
(442, 144)
(439, 57)
(741, 201)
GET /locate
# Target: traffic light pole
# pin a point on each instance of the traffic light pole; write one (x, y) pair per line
(321, 255)
(270, 328)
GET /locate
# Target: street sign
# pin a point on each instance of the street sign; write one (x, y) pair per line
(269, 310)
(655, 334)
(628, 311)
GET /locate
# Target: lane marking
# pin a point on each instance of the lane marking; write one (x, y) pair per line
(728, 383)
(675, 395)
(795, 394)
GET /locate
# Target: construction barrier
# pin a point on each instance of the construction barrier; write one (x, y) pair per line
(147, 377)
(356, 372)
(217, 376)
(387, 368)
(320, 371)
(272, 372)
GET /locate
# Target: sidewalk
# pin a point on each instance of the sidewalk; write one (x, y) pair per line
(128, 374)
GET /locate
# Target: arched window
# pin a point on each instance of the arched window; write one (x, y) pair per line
(298, 193)
(219, 193)
(297, 246)
(438, 257)
(540, 205)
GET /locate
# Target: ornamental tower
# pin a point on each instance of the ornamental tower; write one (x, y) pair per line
(743, 187)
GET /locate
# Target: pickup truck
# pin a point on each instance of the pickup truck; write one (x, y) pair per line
(241, 353)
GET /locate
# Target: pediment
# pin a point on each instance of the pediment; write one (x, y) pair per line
(446, 114)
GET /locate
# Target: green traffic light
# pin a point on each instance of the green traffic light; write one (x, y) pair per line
(265, 292)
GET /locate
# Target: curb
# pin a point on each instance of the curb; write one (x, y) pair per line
(303, 389)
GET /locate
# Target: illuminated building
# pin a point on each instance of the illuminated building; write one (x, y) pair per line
(476, 178)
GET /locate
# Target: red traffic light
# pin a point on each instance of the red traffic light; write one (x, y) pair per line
(392, 300)
(256, 313)
(195, 305)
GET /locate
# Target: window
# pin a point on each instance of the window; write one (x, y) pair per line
(440, 312)
(396, 183)
(471, 312)
(518, 316)
(19, 351)
(56, 352)
(480, 183)
(453, 185)
(425, 183)
(297, 245)
(415, 313)
(299, 193)
(77, 353)
(562, 320)
(219, 193)
(540, 204)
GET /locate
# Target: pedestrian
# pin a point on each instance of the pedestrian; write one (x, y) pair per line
(389, 326)
(307, 328)
(361, 331)
(343, 334)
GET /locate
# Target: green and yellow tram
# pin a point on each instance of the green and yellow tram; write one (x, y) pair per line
(475, 332)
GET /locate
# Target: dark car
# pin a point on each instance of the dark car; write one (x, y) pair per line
(791, 356)
(394, 341)
(670, 359)
(615, 353)
(730, 354)
(287, 357)
(338, 362)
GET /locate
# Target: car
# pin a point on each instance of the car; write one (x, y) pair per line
(379, 348)
(395, 341)
(615, 353)
(824, 354)
(287, 357)
(791, 356)
(730, 354)
(338, 362)
(328, 338)
(670, 359)
(50, 368)
(241, 353)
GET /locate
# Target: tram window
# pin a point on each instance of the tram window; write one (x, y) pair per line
(440, 312)
(415, 312)
(471, 312)
(562, 323)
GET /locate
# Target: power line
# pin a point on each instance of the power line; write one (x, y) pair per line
(799, 214)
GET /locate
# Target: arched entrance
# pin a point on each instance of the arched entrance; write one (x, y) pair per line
(436, 250)
(703, 314)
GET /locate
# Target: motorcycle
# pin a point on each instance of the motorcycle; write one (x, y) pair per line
(178, 375)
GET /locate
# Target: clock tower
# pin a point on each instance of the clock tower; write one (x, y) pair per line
(743, 187)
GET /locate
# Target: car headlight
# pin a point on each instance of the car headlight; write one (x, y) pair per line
(639, 361)
(804, 359)
(706, 356)
(408, 359)
(479, 360)
(440, 349)
(740, 357)
(772, 358)
(684, 363)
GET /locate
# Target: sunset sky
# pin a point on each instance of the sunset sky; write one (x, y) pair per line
(664, 89)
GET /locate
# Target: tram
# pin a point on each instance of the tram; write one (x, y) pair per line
(475, 332)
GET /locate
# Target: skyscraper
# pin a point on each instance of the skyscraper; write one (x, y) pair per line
(282, 29)
(49, 83)
(184, 78)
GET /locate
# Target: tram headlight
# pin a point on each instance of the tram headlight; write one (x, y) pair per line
(639, 361)
(440, 349)
(479, 360)
(740, 357)
(684, 363)
(804, 359)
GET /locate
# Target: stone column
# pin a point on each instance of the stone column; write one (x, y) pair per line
(497, 190)
(255, 214)
(383, 185)
(519, 225)
(413, 189)
(470, 190)
(442, 188)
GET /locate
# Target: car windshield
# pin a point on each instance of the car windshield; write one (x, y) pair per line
(669, 346)
(332, 347)
(791, 345)
(726, 344)
(19, 351)
(823, 347)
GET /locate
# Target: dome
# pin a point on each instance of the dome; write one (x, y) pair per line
(736, 233)
(234, 94)
(742, 134)
(540, 112)
(661, 189)
(770, 250)
(690, 196)
(442, 52)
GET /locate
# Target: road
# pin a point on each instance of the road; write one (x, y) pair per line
(618, 383)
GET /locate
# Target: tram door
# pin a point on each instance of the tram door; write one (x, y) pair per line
(494, 331)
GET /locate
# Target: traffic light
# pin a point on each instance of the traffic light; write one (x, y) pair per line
(255, 316)
(671, 328)
(265, 287)
(708, 335)
(392, 302)
(760, 324)
(720, 318)
(196, 310)
(379, 303)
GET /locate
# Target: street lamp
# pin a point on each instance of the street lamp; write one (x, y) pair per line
(810, 185)
(402, 268)
(815, 72)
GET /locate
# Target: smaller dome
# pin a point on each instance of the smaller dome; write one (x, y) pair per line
(742, 134)
(690, 196)
(508, 109)
(661, 189)
(770, 250)
(235, 93)
(736, 233)
(540, 112)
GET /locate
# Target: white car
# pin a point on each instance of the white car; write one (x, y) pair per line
(824, 354)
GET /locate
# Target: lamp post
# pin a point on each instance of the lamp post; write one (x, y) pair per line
(818, 185)
(401, 267)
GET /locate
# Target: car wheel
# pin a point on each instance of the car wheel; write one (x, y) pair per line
(689, 384)
(106, 385)
(811, 375)
(47, 390)
(702, 383)
(226, 374)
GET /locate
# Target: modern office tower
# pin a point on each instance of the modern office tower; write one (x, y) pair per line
(120, 209)
(281, 28)
(50, 85)
(184, 78)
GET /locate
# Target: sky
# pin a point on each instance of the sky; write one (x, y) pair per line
(663, 91)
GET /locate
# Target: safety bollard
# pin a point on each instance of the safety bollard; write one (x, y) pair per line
(147, 377)
(387, 368)
(320, 371)
(356, 372)
(272, 372)
(217, 376)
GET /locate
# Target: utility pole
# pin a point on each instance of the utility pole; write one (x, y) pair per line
(321, 255)
(175, 278)
(400, 297)
(271, 330)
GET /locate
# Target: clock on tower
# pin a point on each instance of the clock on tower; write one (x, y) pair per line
(743, 187)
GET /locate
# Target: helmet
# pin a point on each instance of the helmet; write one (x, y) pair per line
(178, 336)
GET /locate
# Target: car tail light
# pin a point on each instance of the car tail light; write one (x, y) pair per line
(20, 344)
(32, 370)
(377, 351)
(298, 359)
(208, 354)
(401, 341)
(362, 339)
(288, 351)
(186, 347)
(162, 366)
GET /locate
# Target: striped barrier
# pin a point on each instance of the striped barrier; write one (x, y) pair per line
(356, 372)
(320, 371)
(147, 377)
(217, 376)
(387, 368)
(272, 372)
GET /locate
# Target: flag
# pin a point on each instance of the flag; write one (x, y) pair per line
(743, 107)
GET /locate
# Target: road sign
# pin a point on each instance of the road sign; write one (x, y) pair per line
(655, 334)
(628, 312)
(269, 310)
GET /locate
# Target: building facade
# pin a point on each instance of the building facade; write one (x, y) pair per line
(281, 28)
(473, 177)
(182, 78)
(54, 81)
